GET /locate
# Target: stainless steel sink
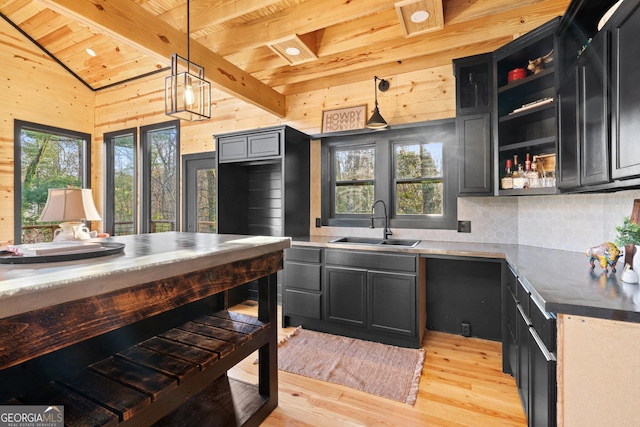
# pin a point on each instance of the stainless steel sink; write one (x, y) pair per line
(375, 241)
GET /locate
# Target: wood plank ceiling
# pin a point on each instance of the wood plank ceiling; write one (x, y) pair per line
(241, 43)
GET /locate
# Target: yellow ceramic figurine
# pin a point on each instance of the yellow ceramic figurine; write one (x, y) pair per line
(607, 254)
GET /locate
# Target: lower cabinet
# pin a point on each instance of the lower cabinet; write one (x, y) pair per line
(363, 294)
(529, 345)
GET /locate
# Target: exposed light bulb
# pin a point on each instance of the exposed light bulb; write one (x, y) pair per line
(293, 51)
(189, 98)
(419, 16)
(90, 51)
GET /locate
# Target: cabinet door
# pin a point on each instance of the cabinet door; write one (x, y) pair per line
(474, 148)
(232, 148)
(625, 108)
(594, 113)
(346, 295)
(568, 133)
(542, 395)
(392, 302)
(474, 83)
(522, 377)
(264, 145)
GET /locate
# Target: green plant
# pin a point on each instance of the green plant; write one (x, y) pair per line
(628, 233)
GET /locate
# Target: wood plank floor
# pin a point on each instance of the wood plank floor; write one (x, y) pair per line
(462, 384)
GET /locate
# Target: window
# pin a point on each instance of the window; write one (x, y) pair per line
(411, 169)
(45, 157)
(354, 179)
(157, 178)
(160, 150)
(120, 213)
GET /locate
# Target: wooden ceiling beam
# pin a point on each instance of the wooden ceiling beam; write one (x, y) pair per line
(501, 25)
(303, 18)
(129, 23)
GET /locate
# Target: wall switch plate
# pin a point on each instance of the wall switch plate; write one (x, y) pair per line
(318, 222)
(466, 330)
(464, 226)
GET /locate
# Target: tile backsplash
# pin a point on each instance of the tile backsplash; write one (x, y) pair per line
(566, 222)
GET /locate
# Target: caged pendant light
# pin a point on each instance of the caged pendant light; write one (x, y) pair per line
(187, 95)
(376, 121)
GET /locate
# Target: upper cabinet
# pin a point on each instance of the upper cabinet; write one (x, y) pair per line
(474, 102)
(524, 123)
(599, 96)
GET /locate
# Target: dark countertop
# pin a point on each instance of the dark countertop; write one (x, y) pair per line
(559, 281)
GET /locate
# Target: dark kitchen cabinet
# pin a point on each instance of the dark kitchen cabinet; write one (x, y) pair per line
(583, 119)
(262, 187)
(625, 101)
(371, 295)
(474, 103)
(529, 351)
(524, 119)
(302, 285)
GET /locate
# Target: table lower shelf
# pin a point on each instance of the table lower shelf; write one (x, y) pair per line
(146, 382)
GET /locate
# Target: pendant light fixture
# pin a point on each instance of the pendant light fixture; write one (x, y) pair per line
(376, 121)
(187, 95)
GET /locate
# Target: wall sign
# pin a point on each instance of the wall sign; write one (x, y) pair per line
(344, 119)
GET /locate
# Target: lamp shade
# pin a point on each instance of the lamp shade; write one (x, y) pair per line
(376, 121)
(69, 204)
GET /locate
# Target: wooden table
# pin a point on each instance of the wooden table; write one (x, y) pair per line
(67, 321)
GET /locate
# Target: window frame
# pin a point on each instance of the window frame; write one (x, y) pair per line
(18, 126)
(108, 216)
(384, 141)
(145, 175)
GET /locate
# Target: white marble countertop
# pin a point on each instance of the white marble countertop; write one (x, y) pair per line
(146, 258)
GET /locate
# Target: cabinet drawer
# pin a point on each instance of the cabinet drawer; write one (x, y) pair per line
(371, 260)
(264, 145)
(303, 254)
(302, 276)
(306, 304)
(512, 280)
(523, 297)
(545, 325)
(232, 148)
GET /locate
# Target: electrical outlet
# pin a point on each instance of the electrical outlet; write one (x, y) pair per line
(318, 222)
(464, 226)
(466, 329)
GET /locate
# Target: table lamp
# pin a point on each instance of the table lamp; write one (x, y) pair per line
(71, 206)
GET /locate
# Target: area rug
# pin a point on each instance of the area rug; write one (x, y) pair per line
(379, 369)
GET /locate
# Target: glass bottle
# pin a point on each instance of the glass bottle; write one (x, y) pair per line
(507, 180)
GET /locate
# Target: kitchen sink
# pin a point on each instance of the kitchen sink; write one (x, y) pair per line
(375, 241)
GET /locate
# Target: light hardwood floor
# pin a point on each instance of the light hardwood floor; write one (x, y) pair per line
(462, 384)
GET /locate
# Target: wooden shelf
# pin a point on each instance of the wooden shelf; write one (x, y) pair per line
(540, 142)
(529, 191)
(533, 83)
(536, 110)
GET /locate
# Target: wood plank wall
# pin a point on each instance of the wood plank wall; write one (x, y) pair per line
(33, 88)
(37, 89)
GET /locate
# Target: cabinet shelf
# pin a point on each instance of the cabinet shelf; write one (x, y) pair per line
(539, 142)
(529, 191)
(532, 83)
(535, 110)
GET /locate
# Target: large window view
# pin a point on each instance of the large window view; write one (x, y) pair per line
(354, 179)
(161, 153)
(48, 158)
(418, 179)
(411, 169)
(120, 178)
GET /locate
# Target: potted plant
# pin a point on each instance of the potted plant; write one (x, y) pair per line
(629, 238)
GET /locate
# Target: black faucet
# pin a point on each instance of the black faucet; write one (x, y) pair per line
(387, 231)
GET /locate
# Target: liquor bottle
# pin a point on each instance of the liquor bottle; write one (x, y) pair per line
(519, 179)
(533, 180)
(507, 180)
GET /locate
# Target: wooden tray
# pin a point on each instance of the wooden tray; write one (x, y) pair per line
(108, 248)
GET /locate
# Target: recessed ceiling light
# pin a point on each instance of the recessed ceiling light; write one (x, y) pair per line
(419, 16)
(91, 52)
(293, 51)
